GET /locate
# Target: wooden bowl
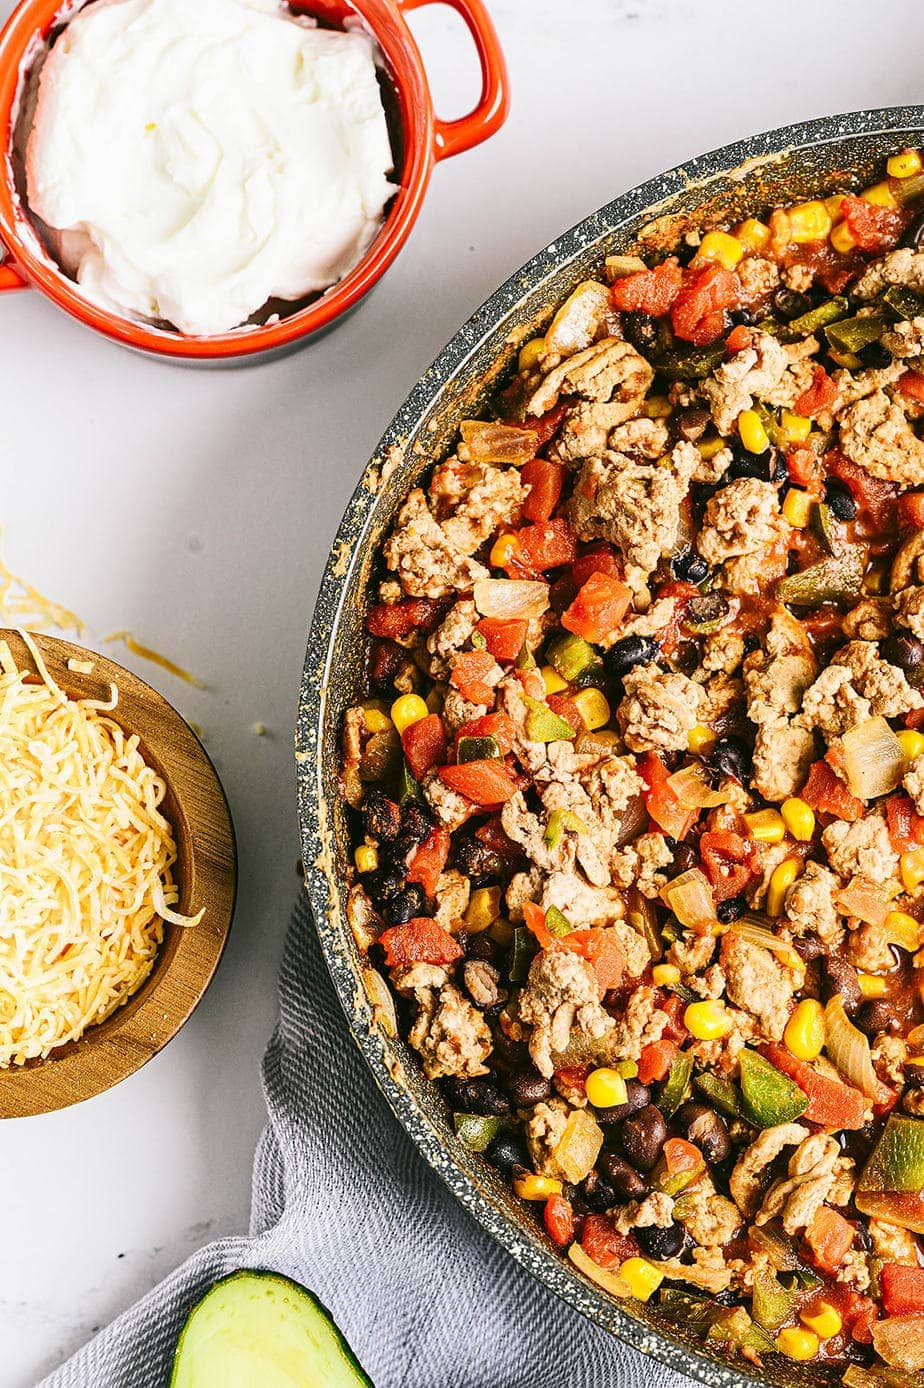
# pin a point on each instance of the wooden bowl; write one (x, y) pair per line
(205, 873)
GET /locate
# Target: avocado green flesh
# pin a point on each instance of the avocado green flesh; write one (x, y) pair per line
(257, 1328)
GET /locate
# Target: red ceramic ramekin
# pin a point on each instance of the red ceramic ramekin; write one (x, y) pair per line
(426, 140)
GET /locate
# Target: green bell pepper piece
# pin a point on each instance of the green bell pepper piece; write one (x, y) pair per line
(544, 725)
(705, 614)
(902, 302)
(478, 641)
(475, 1130)
(853, 334)
(721, 1093)
(836, 579)
(733, 1326)
(570, 655)
(559, 821)
(695, 1312)
(892, 1184)
(408, 788)
(827, 526)
(907, 189)
(478, 748)
(828, 312)
(687, 363)
(771, 1304)
(556, 923)
(522, 953)
(768, 1096)
(676, 1087)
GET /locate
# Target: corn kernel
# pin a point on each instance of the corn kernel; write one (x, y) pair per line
(809, 221)
(593, 707)
(643, 1278)
(825, 1322)
(797, 426)
(366, 858)
(833, 204)
(799, 818)
(753, 234)
(410, 708)
(797, 1344)
(905, 164)
(504, 548)
(552, 680)
(911, 866)
(628, 1069)
(842, 238)
(781, 880)
(483, 909)
(902, 929)
(911, 742)
(805, 1031)
(871, 986)
(752, 432)
(721, 248)
(528, 1186)
(530, 354)
(766, 826)
(701, 739)
(880, 195)
(664, 974)
(797, 508)
(658, 407)
(710, 447)
(378, 721)
(605, 1088)
(707, 1021)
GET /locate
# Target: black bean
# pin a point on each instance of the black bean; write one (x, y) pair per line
(875, 355)
(481, 946)
(705, 1129)
(527, 1088)
(731, 909)
(778, 471)
(914, 236)
(841, 977)
(808, 947)
(598, 1193)
(480, 1095)
(642, 1137)
(404, 906)
(625, 1180)
(789, 303)
(384, 884)
(476, 859)
(877, 1015)
(729, 757)
(660, 1243)
(690, 423)
(624, 655)
(766, 466)
(381, 816)
(506, 1152)
(386, 660)
(838, 496)
(689, 566)
(641, 330)
(416, 822)
(905, 651)
(742, 317)
(685, 857)
(751, 643)
(638, 1095)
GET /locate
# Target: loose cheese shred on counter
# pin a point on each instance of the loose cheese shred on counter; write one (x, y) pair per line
(85, 863)
(21, 605)
(147, 653)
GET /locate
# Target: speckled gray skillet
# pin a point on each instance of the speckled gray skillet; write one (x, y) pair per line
(823, 155)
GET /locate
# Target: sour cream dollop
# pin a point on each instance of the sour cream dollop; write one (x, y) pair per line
(193, 160)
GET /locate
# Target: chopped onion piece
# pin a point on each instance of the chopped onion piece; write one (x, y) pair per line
(610, 1281)
(689, 896)
(633, 820)
(511, 597)
(381, 1000)
(848, 1050)
(873, 759)
(756, 933)
(863, 899)
(691, 786)
(485, 442)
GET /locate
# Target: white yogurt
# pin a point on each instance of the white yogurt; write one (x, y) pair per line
(195, 158)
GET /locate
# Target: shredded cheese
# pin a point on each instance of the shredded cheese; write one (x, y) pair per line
(147, 653)
(85, 863)
(21, 605)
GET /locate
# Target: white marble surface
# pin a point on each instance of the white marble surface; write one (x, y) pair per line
(197, 508)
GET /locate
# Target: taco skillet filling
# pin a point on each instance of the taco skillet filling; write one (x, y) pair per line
(639, 783)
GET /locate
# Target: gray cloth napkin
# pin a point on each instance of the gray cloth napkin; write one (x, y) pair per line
(343, 1202)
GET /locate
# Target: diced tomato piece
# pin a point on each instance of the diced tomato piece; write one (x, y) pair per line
(915, 719)
(911, 509)
(674, 1006)
(474, 674)
(545, 481)
(906, 826)
(421, 941)
(662, 801)
(485, 782)
(601, 559)
(726, 859)
(492, 834)
(804, 468)
(428, 862)
(829, 1236)
(424, 745)
(496, 725)
(830, 1103)
(543, 546)
(680, 1155)
(504, 639)
(602, 951)
(656, 1059)
(819, 396)
(826, 792)
(902, 1289)
(872, 227)
(860, 1315)
(698, 311)
(912, 386)
(544, 425)
(566, 708)
(648, 291)
(598, 608)
(558, 1217)
(876, 496)
(738, 340)
(394, 620)
(534, 920)
(601, 1242)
